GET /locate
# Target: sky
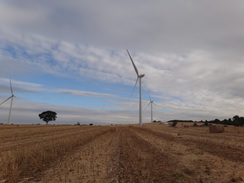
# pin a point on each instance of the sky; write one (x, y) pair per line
(70, 57)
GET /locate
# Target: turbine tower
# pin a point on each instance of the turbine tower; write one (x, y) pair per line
(139, 76)
(151, 102)
(11, 102)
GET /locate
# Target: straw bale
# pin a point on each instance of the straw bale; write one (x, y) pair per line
(216, 129)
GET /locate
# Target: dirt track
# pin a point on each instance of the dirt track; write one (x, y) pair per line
(150, 154)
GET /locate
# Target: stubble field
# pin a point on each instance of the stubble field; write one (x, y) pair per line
(120, 154)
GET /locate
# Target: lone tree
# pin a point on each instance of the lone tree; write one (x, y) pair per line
(48, 116)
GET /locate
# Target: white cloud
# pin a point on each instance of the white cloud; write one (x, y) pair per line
(84, 93)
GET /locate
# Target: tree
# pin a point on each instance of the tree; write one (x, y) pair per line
(48, 116)
(216, 121)
(242, 121)
(174, 124)
(236, 118)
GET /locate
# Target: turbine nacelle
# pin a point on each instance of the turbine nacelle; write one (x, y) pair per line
(141, 75)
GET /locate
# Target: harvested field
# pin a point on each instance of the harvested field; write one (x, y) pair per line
(152, 153)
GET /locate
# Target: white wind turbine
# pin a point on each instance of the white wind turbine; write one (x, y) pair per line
(151, 102)
(139, 76)
(11, 103)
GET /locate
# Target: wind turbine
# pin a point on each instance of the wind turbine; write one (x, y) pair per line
(151, 102)
(139, 76)
(11, 103)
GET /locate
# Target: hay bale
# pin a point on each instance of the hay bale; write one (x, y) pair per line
(216, 129)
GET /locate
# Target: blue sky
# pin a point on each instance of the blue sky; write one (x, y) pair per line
(70, 57)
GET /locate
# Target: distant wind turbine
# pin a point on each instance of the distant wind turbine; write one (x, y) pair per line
(139, 76)
(11, 103)
(151, 102)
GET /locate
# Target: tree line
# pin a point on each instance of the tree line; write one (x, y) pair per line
(235, 121)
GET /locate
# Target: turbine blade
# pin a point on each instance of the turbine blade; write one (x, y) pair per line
(5, 100)
(147, 105)
(134, 88)
(10, 109)
(11, 88)
(149, 96)
(137, 73)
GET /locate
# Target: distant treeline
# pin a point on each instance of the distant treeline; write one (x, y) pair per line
(236, 121)
(177, 120)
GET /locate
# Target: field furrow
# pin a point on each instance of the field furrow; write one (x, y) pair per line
(30, 141)
(196, 163)
(140, 161)
(92, 162)
(154, 153)
(29, 161)
(233, 152)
